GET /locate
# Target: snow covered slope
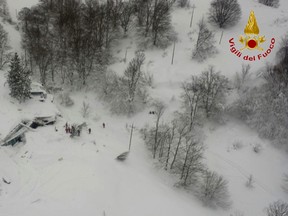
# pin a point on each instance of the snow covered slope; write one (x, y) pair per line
(53, 174)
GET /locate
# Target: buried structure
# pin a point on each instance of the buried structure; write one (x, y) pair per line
(17, 134)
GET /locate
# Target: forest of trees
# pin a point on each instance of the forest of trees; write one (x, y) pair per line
(264, 107)
(178, 144)
(71, 41)
(4, 11)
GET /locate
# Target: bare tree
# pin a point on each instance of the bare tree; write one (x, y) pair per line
(159, 111)
(270, 3)
(213, 190)
(85, 110)
(191, 97)
(243, 77)
(182, 130)
(161, 20)
(157, 137)
(154, 22)
(224, 12)
(126, 13)
(170, 140)
(192, 163)
(133, 74)
(278, 208)
(213, 87)
(204, 46)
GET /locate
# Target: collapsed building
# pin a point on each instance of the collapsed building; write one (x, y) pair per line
(17, 134)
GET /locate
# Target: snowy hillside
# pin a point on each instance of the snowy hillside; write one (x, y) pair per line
(52, 174)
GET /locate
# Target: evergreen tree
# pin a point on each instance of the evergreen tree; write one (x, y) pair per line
(19, 80)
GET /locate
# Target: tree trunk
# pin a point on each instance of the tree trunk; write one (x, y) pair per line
(185, 161)
(176, 152)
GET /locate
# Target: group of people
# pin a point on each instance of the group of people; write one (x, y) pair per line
(72, 130)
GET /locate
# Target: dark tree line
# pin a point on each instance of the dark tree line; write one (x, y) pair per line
(67, 37)
(154, 21)
(70, 40)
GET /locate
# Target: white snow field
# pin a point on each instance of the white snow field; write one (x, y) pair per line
(54, 175)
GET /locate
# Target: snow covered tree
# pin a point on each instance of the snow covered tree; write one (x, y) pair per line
(154, 22)
(19, 80)
(278, 208)
(65, 38)
(161, 22)
(133, 74)
(191, 97)
(4, 47)
(177, 148)
(127, 93)
(181, 131)
(270, 3)
(213, 190)
(264, 109)
(213, 87)
(204, 46)
(241, 78)
(191, 163)
(4, 11)
(126, 12)
(278, 75)
(156, 136)
(183, 3)
(224, 12)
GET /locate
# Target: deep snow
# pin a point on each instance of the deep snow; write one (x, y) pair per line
(54, 175)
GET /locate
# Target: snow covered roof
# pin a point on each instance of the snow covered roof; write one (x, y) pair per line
(12, 113)
(37, 87)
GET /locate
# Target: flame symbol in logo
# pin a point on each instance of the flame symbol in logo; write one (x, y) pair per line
(251, 40)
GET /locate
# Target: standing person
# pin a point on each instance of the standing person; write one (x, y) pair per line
(78, 132)
(103, 125)
(66, 127)
(89, 130)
